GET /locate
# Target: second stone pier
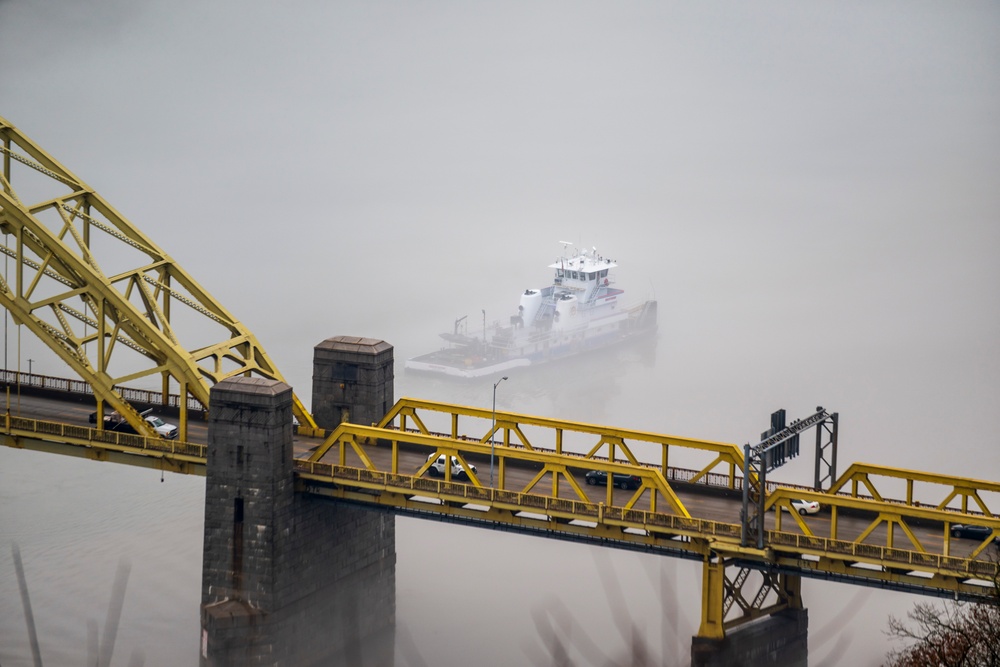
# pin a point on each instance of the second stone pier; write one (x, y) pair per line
(289, 578)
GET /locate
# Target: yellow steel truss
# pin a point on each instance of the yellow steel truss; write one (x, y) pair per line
(60, 242)
(366, 465)
(863, 476)
(884, 516)
(770, 592)
(187, 458)
(604, 442)
(349, 445)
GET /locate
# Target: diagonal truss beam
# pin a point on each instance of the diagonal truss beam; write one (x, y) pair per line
(464, 422)
(884, 517)
(548, 464)
(870, 477)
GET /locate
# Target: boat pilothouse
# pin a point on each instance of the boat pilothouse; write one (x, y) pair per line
(581, 310)
(581, 286)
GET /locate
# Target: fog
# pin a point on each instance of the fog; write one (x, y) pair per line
(810, 193)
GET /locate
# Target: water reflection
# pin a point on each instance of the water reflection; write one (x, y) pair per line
(581, 388)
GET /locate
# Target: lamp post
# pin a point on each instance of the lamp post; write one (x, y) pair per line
(494, 428)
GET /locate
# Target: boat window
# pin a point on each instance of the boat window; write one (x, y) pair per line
(604, 273)
(590, 276)
(559, 273)
(574, 274)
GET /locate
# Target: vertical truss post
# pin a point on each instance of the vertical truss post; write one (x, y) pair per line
(754, 494)
(826, 453)
(749, 594)
(747, 524)
(713, 595)
(791, 590)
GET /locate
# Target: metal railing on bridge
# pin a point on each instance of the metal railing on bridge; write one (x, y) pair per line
(33, 383)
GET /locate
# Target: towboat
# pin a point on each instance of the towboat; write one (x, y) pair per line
(581, 311)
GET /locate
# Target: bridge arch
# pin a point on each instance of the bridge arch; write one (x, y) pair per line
(105, 298)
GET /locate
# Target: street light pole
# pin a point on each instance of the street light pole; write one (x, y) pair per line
(494, 428)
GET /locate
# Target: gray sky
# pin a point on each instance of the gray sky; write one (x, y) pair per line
(809, 190)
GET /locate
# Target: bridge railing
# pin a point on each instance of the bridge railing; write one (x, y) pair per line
(48, 383)
(82, 435)
(29, 380)
(979, 568)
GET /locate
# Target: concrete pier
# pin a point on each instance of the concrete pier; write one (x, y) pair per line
(352, 381)
(287, 578)
(780, 640)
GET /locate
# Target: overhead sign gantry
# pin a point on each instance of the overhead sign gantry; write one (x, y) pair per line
(777, 445)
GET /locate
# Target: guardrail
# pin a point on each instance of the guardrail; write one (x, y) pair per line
(962, 567)
(83, 435)
(81, 388)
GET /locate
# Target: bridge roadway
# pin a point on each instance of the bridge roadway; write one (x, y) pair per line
(701, 500)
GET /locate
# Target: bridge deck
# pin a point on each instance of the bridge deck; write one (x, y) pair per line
(895, 544)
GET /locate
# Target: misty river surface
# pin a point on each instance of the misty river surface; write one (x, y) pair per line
(74, 520)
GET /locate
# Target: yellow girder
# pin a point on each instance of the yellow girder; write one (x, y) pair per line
(59, 243)
(770, 593)
(611, 439)
(861, 474)
(887, 513)
(99, 445)
(346, 436)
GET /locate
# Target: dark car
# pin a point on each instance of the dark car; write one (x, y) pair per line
(972, 532)
(621, 480)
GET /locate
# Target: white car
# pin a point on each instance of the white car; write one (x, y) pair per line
(437, 468)
(805, 506)
(162, 428)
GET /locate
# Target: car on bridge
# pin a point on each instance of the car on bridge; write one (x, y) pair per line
(113, 421)
(805, 506)
(971, 532)
(621, 480)
(438, 467)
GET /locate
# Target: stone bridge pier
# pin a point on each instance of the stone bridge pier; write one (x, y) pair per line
(289, 579)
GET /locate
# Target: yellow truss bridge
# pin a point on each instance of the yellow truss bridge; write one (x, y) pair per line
(540, 467)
